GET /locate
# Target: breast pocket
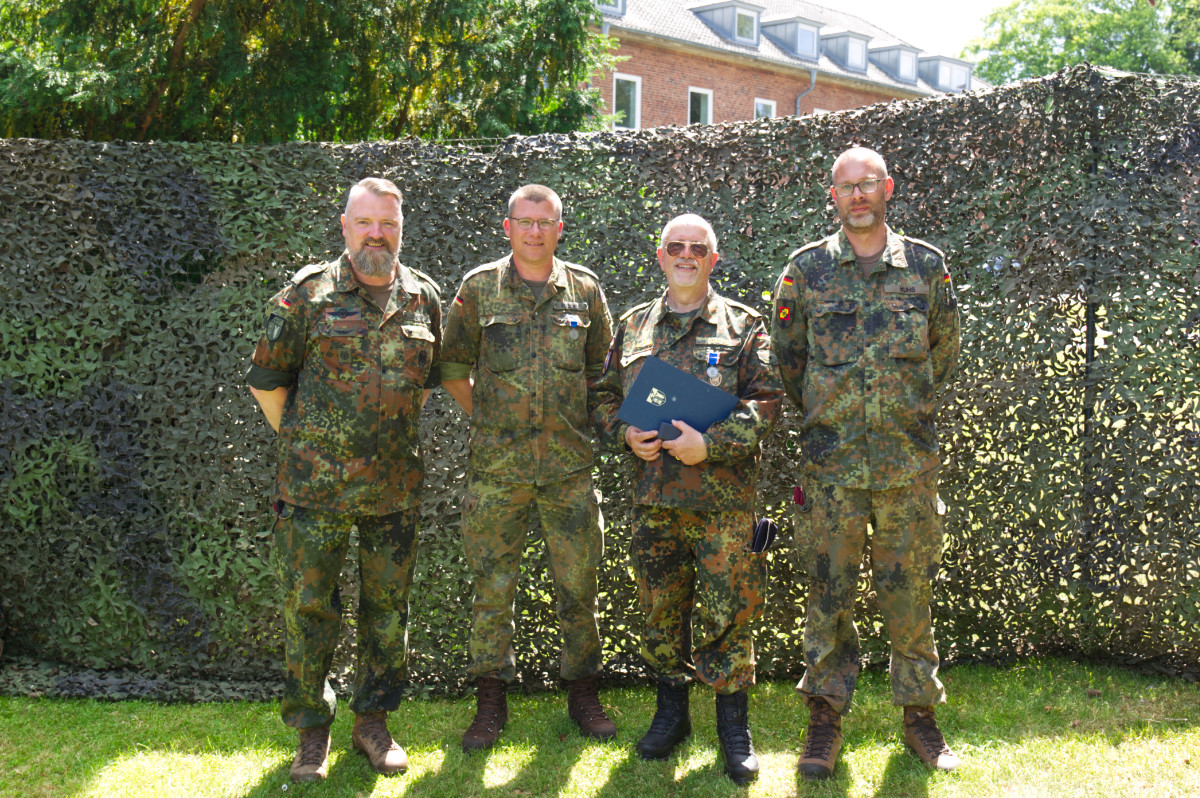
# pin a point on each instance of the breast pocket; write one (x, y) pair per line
(501, 342)
(834, 332)
(568, 340)
(718, 363)
(909, 322)
(343, 348)
(417, 354)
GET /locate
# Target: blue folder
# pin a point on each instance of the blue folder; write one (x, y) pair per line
(662, 392)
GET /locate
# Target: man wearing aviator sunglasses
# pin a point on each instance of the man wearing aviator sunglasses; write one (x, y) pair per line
(694, 495)
(865, 329)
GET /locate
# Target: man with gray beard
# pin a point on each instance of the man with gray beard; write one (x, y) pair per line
(348, 356)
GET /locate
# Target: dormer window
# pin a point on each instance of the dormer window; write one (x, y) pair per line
(898, 60)
(945, 74)
(616, 7)
(736, 20)
(797, 35)
(746, 27)
(846, 48)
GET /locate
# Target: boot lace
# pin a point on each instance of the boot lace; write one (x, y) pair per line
(925, 727)
(490, 704)
(582, 694)
(822, 731)
(373, 728)
(312, 746)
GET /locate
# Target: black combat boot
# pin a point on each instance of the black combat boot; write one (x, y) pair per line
(733, 731)
(670, 725)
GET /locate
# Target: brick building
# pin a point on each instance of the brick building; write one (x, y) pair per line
(697, 61)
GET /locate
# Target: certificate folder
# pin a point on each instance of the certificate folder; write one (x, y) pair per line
(662, 392)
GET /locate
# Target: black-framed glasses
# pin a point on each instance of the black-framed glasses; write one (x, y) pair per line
(545, 225)
(866, 187)
(675, 248)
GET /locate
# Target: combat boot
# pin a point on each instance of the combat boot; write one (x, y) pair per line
(733, 732)
(491, 713)
(670, 725)
(312, 756)
(371, 736)
(922, 735)
(583, 705)
(824, 741)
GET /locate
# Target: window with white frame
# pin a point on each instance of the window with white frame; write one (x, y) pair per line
(745, 27)
(763, 109)
(611, 6)
(806, 41)
(627, 101)
(856, 54)
(953, 77)
(699, 106)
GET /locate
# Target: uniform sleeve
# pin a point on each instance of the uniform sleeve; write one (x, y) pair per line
(760, 400)
(460, 336)
(944, 333)
(434, 299)
(608, 392)
(599, 340)
(279, 356)
(789, 332)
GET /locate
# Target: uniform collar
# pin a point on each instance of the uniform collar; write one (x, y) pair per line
(893, 249)
(706, 311)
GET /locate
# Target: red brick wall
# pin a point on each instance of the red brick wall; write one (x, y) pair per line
(667, 73)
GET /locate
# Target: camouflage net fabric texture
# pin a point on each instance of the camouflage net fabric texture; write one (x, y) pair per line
(137, 470)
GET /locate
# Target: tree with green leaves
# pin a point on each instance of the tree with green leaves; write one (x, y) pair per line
(1027, 38)
(1183, 29)
(280, 70)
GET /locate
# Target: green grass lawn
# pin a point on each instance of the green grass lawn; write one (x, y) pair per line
(1043, 728)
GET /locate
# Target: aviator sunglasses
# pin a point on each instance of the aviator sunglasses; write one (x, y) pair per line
(675, 248)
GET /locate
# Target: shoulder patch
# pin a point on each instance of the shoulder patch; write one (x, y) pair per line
(309, 271)
(636, 308)
(749, 311)
(925, 244)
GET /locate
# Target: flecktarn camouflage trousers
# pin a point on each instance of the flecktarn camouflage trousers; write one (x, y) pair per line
(700, 591)
(905, 547)
(496, 521)
(310, 547)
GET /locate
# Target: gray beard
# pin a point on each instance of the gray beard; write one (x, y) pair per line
(374, 264)
(862, 223)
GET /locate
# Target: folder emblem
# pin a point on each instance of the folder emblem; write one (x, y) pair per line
(656, 397)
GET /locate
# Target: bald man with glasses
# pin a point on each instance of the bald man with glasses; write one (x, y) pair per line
(865, 330)
(694, 495)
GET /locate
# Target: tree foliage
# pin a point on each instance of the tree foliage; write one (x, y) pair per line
(254, 71)
(1028, 38)
(1184, 32)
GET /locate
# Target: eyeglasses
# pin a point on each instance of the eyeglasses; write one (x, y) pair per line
(545, 225)
(866, 186)
(675, 248)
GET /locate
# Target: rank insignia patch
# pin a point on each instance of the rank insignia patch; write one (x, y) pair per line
(274, 328)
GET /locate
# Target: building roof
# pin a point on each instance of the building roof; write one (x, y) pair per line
(676, 20)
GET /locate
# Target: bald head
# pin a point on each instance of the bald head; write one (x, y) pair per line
(689, 220)
(860, 156)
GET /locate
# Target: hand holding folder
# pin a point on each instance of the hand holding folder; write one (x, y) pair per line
(662, 393)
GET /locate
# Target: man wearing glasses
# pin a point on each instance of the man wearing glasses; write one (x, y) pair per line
(694, 495)
(534, 329)
(865, 330)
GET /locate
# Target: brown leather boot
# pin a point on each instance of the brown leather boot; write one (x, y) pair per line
(922, 735)
(583, 705)
(824, 741)
(371, 736)
(491, 713)
(311, 762)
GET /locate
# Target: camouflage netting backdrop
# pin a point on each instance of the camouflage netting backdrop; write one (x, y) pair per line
(137, 471)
